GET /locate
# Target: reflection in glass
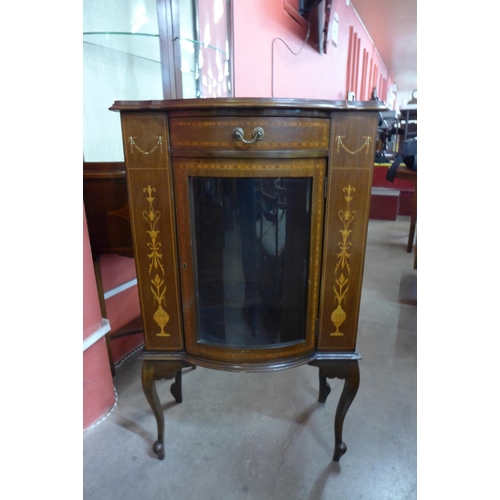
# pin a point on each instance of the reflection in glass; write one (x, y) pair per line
(204, 28)
(251, 255)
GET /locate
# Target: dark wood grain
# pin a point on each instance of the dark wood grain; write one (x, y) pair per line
(169, 142)
(106, 207)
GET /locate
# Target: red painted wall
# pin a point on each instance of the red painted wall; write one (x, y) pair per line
(257, 26)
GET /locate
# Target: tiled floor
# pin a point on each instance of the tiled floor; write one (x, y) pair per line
(240, 436)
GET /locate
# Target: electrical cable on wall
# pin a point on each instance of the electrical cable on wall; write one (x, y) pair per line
(286, 45)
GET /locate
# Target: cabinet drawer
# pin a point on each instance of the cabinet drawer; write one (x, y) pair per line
(278, 133)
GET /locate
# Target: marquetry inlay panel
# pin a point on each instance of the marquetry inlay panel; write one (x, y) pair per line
(168, 142)
(249, 220)
(346, 223)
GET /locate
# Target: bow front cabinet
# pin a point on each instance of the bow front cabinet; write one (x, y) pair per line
(249, 220)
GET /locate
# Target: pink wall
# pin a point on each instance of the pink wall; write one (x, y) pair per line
(306, 75)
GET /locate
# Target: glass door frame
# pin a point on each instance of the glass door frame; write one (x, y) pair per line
(183, 169)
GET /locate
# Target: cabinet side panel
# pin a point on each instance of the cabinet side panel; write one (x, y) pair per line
(153, 228)
(346, 223)
(145, 140)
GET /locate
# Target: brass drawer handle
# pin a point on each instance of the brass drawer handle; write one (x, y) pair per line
(258, 134)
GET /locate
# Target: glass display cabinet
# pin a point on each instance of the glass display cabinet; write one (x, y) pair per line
(249, 220)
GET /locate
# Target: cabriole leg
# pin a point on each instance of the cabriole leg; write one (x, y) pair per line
(349, 371)
(151, 372)
(351, 385)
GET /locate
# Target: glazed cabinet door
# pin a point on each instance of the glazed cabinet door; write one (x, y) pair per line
(249, 245)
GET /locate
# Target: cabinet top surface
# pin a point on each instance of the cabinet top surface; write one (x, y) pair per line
(247, 103)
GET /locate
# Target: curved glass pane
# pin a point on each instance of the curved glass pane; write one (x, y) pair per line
(251, 254)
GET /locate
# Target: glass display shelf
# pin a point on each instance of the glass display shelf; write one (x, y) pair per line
(143, 45)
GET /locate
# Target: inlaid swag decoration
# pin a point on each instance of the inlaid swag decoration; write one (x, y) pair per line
(133, 145)
(364, 145)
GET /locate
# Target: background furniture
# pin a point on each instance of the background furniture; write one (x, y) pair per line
(106, 207)
(193, 167)
(383, 206)
(406, 174)
(408, 121)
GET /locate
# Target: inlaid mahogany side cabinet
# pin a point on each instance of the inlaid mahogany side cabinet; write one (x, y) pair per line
(249, 220)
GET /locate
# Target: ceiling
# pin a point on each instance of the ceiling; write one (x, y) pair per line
(392, 25)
